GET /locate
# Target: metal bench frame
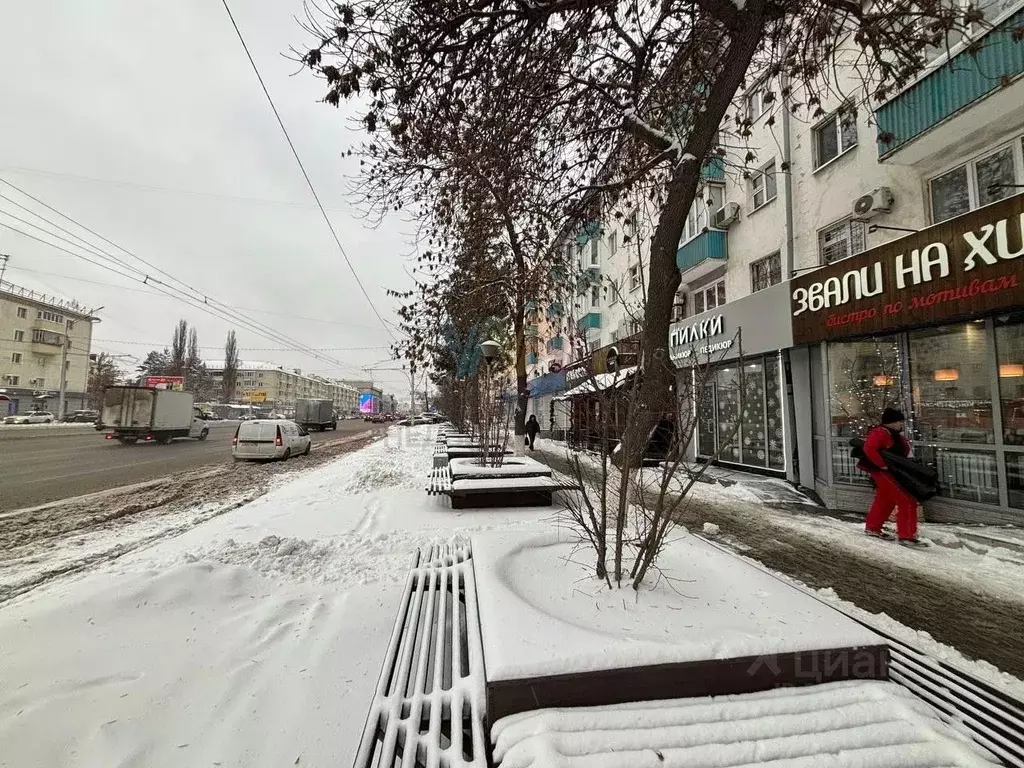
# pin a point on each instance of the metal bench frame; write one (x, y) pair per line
(429, 708)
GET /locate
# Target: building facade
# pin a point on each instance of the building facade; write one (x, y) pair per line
(37, 333)
(277, 387)
(774, 252)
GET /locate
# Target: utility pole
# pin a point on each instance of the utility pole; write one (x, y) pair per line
(63, 369)
(4, 258)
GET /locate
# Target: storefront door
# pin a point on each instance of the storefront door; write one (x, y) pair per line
(739, 417)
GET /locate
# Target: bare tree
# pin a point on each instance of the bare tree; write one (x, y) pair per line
(626, 92)
(179, 349)
(230, 378)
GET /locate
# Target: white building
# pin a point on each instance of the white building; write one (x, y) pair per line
(821, 191)
(37, 331)
(262, 383)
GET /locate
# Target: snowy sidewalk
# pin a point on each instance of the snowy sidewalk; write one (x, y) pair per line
(962, 592)
(255, 639)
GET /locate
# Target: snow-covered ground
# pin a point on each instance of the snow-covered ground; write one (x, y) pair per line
(253, 639)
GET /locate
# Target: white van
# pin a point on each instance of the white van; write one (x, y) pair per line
(270, 439)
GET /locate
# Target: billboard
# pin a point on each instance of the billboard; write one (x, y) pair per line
(368, 403)
(176, 383)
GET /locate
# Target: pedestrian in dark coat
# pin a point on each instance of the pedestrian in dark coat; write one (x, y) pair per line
(889, 494)
(532, 428)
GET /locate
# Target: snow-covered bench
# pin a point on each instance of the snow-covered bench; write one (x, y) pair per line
(439, 482)
(440, 455)
(519, 482)
(429, 707)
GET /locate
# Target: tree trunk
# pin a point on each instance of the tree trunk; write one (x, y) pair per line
(522, 393)
(654, 396)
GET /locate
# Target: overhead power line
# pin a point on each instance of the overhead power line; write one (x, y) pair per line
(196, 299)
(302, 168)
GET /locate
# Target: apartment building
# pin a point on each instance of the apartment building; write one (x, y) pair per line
(840, 264)
(37, 332)
(278, 387)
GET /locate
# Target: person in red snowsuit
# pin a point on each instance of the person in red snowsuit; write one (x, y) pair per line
(888, 436)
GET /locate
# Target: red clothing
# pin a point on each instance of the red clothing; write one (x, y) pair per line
(882, 439)
(888, 494)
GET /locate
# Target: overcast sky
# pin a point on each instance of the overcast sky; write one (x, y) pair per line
(144, 121)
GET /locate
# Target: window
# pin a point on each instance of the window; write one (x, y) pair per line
(706, 202)
(19, 335)
(983, 181)
(594, 255)
(634, 278)
(709, 297)
(762, 186)
(579, 256)
(16, 358)
(595, 296)
(12, 380)
(51, 317)
(835, 136)
(22, 312)
(613, 243)
(864, 380)
(840, 240)
(952, 403)
(71, 325)
(37, 383)
(766, 272)
(758, 98)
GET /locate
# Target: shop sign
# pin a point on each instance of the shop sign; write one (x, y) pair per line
(165, 382)
(966, 267)
(688, 335)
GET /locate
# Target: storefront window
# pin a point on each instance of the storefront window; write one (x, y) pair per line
(1010, 361)
(773, 409)
(1015, 479)
(864, 377)
(745, 430)
(728, 411)
(963, 474)
(949, 378)
(755, 449)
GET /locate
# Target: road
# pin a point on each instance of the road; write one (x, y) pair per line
(37, 470)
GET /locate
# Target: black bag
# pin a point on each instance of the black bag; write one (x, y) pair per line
(920, 481)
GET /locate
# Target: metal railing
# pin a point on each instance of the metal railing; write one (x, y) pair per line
(41, 298)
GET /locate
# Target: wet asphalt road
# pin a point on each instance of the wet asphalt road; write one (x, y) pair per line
(41, 468)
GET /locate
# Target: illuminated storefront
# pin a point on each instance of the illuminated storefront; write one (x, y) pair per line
(933, 324)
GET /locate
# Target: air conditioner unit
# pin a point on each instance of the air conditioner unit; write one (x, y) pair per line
(725, 216)
(873, 203)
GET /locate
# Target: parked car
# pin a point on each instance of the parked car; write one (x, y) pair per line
(213, 416)
(82, 417)
(270, 439)
(32, 417)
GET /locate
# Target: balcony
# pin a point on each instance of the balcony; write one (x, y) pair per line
(702, 254)
(589, 320)
(556, 342)
(989, 79)
(46, 342)
(713, 169)
(555, 310)
(530, 331)
(531, 358)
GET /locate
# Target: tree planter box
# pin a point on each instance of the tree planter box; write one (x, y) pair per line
(712, 625)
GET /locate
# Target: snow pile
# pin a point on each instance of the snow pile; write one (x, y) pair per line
(711, 529)
(382, 557)
(253, 639)
(825, 726)
(546, 614)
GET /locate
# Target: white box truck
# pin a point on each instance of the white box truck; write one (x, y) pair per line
(315, 414)
(149, 414)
